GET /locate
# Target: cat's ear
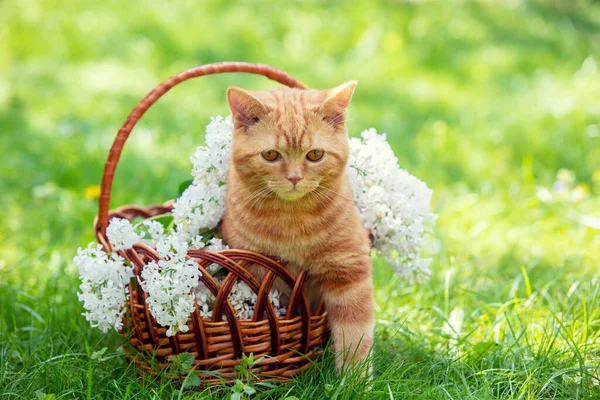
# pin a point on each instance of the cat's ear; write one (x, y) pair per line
(334, 107)
(246, 109)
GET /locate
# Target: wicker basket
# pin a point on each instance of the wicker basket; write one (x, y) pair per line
(287, 344)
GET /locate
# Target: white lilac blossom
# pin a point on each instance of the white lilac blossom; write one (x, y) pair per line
(197, 242)
(104, 278)
(205, 300)
(169, 282)
(202, 204)
(156, 230)
(121, 234)
(243, 300)
(274, 298)
(216, 244)
(393, 204)
(213, 244)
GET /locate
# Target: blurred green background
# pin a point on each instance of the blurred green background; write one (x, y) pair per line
(495, 104)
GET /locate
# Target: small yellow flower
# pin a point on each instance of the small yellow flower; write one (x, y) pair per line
(92, 192)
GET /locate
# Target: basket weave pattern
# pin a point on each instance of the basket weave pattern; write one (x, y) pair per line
(287, 344)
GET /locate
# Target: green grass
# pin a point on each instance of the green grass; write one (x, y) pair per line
(485, 101)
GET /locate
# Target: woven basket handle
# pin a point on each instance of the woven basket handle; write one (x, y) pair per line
(157, 93)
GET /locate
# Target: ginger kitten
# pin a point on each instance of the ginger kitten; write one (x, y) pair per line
(289, 196)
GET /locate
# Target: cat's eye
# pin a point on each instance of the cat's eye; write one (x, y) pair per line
(270, 155)
(315, 155)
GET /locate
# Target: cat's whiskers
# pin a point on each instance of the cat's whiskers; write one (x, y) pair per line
(322, 197)
(256, 193)
(334, 193)
(259, 196)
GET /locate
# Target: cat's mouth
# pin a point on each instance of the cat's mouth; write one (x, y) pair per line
(287, 191)
(292, 194)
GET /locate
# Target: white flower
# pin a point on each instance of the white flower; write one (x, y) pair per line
(197, 242)
(216, 244)
(202, 204)
(211, 163)
(104, 288)
(121, 234)
(205, 300)
(393, 204)
(156, 230)
(274, 297)
(243, 300)
(168, 283)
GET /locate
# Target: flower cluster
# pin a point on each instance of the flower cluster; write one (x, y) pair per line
(155, 229)
(202, 204)
(104, 278)
(121, 234)
(169, 282)
(393, 204)
(172, 282)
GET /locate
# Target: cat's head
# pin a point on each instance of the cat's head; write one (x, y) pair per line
(290, 141)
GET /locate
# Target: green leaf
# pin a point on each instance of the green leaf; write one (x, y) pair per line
(97, 355)
(186, 360)
(238, 387)
(175, 367)
(192, 381)
(40, 395)
(249, 390)
(184, 185)
(165, 220)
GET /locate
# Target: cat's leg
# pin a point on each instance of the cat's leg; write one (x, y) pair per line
(347, 291)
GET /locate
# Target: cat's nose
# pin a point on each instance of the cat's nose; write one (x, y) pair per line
(294, 179)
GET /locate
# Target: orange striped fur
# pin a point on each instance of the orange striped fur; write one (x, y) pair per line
(301, 211)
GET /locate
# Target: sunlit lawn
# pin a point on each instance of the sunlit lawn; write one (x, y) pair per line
(485, 101)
